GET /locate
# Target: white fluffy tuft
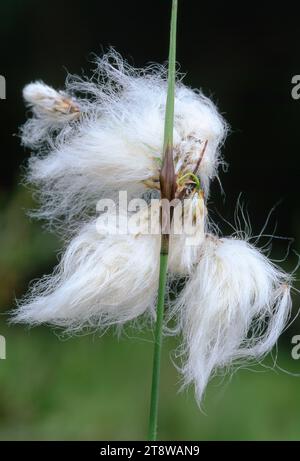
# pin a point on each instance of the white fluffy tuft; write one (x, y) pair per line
(104, 135)
(234, 306)
(117, 143)
(51, 111)
(105, 278)
(101, 280)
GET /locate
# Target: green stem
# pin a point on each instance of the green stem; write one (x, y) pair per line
(157, 347)
(169, 116)
(167, 152)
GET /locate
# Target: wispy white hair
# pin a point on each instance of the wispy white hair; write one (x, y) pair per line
(185, 248)
(101, 280)
(103, 135)
(234, 307)
(116, 144)
(104, 278)
(52, 110)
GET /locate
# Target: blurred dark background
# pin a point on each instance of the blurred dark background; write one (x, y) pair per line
(244, 56)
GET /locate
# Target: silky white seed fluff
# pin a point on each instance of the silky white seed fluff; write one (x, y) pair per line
(101, 280)
(51, 111)
(185, 247)
(105, 278)
(234, 307)
(117, 142)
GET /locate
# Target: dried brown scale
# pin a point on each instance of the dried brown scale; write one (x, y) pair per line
(180, 191)
(66, 106)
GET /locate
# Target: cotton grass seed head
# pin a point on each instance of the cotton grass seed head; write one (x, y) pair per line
(104, 136)
(114, 141)
(232, 309)
(108, 274)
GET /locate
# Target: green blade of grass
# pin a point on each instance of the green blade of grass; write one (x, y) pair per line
(169, 115)
(167, 182)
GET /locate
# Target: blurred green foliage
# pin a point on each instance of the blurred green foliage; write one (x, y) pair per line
(25, 248)
(92, 387)
(98, 388)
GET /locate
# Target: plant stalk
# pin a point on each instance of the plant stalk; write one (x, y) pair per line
(167, 185)
(158, 347)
